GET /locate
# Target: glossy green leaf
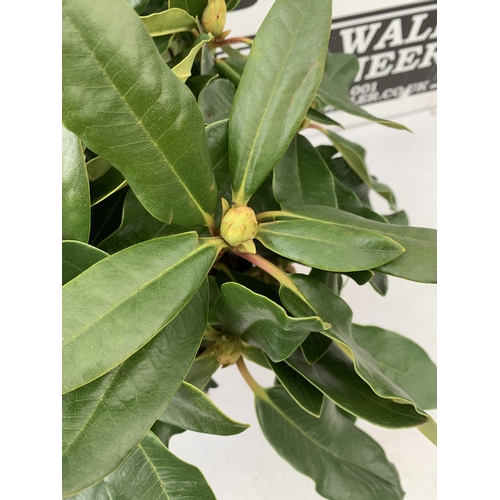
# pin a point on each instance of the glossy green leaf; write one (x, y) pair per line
(131, 109)
(400, 218)
(138, 5)
(106, 216)
(115, 307)
(353, 154)
(151, 472)
(380, 283)
(417, 263)
(361, 277)
(192, 410)
(263, 199)
(255, 355)
(137, 225)
(303, 392)
(162, 43)
(333, 281)
(97, 167)
(340, 71)
(193, 7)
(301, 177)
(318, 117)
(218, 146)
(262, 323)
(109, 183)
(327, 246)
(384, 191)
(253, 284)
(335, 376)
(75, 190)
(281, 77)
(216, 100)
(78, 256)
(183, 69)
(103, 421)
(403, 361)
(344, 462)
(315, 347)
(197, 83)
(317, 299)
(169, 21)
(201, 370)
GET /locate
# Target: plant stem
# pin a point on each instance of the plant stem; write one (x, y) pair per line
(271, 269)
(212, 226)
(252, 383)
(228, 41)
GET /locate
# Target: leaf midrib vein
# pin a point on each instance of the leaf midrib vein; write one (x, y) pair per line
(139, 121)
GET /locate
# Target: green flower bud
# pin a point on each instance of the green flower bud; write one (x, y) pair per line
(214, 17)
(227, 350)
(238, 226)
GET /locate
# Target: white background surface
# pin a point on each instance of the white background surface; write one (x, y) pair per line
(246, 467)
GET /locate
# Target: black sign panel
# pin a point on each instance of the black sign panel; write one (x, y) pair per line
(396, 49)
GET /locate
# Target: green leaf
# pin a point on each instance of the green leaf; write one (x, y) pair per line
(168, 22)
(315, 298)
(335, 376)
(263, 199)
(385, 192)
(75, 190)
(97, 167)
(255, 355)
(106, 216)
(417, 263)
(183, 69)
(327, 246)
(400, 218)
(78, 256)
(218, 146)
(344, 462)
(301, 177)
(137, 225)
(340, 71)
(403, 361)
(128, 298)
(201, 370)
(192, 410)
(353, 154)
(253, 284)
(380, 283)
(194, 7)
(318, 117)
(304, 393)
(361, 277)
(107, 184)
(151, 471)
(283, 72)
(262, 323)
(216, 100)
(315, 347)
(197, 83)
(130, 108)
(103, 421)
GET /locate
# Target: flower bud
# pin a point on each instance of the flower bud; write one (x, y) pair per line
(238, 226)
(227, 350)
(214, 17)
